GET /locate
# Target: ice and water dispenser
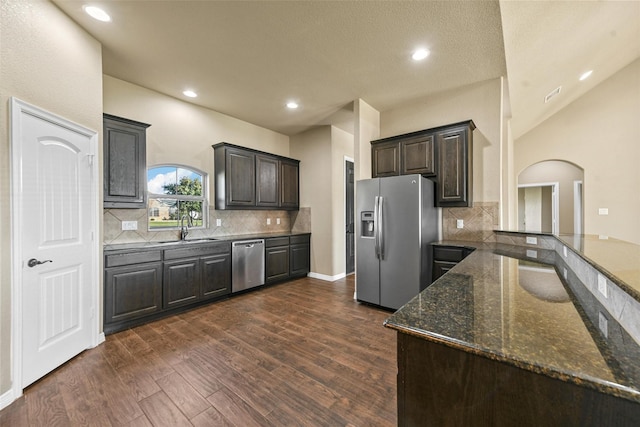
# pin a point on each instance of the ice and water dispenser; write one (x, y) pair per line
(367, 225)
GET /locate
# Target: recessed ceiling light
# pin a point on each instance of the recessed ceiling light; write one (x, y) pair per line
(97, 13)
(586, 75)
(420, 54)
(190, 93)
(292, 105)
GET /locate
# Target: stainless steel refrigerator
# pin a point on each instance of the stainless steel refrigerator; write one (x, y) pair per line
(395, 223)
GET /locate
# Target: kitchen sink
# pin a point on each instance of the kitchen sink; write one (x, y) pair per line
(183, 242)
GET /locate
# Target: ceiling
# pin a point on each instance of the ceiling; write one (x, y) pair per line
(248, 58)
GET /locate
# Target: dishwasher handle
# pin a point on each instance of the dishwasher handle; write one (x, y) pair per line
(248, 243)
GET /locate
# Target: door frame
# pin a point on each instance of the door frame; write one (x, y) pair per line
(344, 170)
(18, 108)
(555, 202)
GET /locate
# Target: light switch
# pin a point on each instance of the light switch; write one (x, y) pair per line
(532, 240)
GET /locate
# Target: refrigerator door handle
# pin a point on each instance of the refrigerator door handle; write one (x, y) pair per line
(381, 227)
(376, 226)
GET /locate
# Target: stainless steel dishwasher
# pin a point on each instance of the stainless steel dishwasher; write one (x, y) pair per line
(247, 260)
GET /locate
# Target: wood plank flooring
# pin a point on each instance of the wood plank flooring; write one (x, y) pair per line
(301, 353)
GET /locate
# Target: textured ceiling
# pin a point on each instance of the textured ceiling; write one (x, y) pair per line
(247, 58)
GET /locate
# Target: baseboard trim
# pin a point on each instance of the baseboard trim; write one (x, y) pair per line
(327, 278)
(6, 399)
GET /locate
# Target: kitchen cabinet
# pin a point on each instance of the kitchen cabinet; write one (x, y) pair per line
(443, 154)
(289, 184)
(141, 285)
(287, 257)
(125, 163)
(446, 257)
(455, 166)
(385, 159)
(267, 181)
(276, 254)
(132, 286)
(251, 179)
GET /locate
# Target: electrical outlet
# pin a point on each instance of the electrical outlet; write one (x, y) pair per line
(564, 251)
(218, 222)
(129, 225)
(268, 221)
(532, 240)
(603, 324)
(532, 254)
(602, 285)
(460, 223)
(603, 211)
(565, 273)
(278, 221)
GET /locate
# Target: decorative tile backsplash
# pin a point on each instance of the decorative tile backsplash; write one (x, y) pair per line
(232, 222)
(479, 222)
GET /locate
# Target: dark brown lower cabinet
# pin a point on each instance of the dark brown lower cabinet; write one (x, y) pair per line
(287, 257)
(446, 257)
(443, 386)
(215, 276)
(276, 263)
(132, 291)
(180, 282)
(299, 255)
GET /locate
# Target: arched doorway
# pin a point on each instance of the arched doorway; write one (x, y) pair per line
(550, 197)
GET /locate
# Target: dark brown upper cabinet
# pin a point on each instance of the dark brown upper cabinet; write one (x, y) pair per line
(455, 166)
(251, 179)
(444, 154)
(125, 163)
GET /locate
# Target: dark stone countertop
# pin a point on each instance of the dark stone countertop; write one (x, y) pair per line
(501, 304)
(195, 241)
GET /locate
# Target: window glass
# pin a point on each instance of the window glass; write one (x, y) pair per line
(176, 194)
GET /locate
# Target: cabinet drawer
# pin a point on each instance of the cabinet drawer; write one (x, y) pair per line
(217, 248)
(276, 241)
(300, 239)
(448, 253)
(117, 260)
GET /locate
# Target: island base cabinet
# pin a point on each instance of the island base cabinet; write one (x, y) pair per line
(442, 386)
(132, 291)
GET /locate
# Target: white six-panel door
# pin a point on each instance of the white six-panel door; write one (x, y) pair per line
(54, 231)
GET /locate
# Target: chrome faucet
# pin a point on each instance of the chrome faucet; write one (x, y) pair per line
(184, 229)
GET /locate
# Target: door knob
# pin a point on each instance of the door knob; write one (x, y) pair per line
(33, 262)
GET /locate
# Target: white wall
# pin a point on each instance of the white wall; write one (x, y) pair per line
(367, 129)
(600, 133)
(49, 61)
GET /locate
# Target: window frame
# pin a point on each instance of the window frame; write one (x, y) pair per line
(204, 198)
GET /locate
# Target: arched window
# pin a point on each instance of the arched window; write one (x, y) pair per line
(176, 193)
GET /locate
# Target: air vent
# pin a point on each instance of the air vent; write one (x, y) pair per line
(551, 94)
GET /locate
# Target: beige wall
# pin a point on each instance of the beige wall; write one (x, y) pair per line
(321, 152)
(182, 132)
(50, 62)
(367, 129)
(600, 132)
(564, 174)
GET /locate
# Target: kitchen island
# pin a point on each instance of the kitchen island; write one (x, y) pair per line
(511, 336)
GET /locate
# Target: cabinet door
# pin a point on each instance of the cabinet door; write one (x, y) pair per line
(132, 292)
(240, 178)
(181, 282)
(440, 268)
(417, 156)
(125, 163)
(299, 254)
(215, 274)
(385, 159)
(276, 263)
(267, 182)
(454, 168)
(289, 184)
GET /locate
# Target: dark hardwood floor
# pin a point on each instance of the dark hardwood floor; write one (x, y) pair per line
(301, 353)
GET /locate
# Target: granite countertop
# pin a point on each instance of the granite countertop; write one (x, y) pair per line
(196, 241)
(503, 305)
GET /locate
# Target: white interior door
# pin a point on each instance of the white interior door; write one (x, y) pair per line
(54, 224)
